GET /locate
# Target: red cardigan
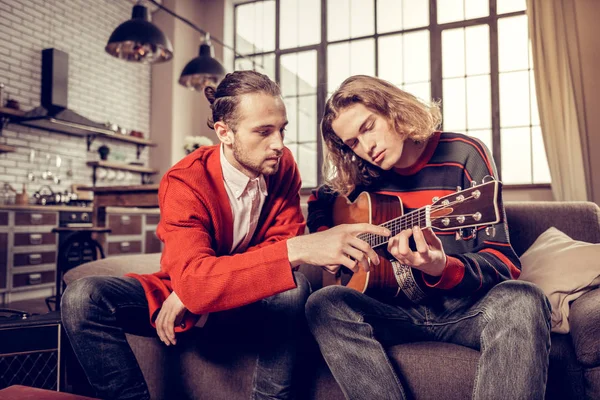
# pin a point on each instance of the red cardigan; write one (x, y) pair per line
(197, 230)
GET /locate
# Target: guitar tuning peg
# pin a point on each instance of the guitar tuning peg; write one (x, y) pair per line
(458, 188)
(474, 232)
(458, 234)
(490, 231)
(473, 183)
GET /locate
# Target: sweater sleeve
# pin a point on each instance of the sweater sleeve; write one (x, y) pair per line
(205, 281)
(320, 209)
(488, 260)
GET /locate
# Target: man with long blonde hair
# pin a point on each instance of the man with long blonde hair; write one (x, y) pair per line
(456, 289)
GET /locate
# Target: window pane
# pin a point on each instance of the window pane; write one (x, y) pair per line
(476, 9)
(291, 131)
(514, 99)
(541, 172)
(419, 90)
(389, 15)
(416, 13)
(244, 28)
(338, 19)
(362, 57)
(298, 73)
(390, 59)
(506, 6)
(516, 155)
(513, 44)
(338, 65)
(450, 11)
(307, 118)
(479, 102)
(535, 113)
(478, 49)
(362, 18)
(416, 57)
(300, 23)
(255, 27)
(307, 164)
(455, 113)
(485, 135)
(264, 64)
(453, 53)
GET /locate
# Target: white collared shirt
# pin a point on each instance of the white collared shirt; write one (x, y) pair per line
(246, 198)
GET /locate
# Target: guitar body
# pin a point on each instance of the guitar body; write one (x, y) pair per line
(375, 209)
(471, 208)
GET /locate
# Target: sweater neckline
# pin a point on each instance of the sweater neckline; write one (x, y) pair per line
(424, 158)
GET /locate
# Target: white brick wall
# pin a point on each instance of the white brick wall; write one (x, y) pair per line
(101, 88)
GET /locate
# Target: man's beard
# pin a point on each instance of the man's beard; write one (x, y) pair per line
(256, 168)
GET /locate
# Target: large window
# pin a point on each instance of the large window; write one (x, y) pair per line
(473, 55)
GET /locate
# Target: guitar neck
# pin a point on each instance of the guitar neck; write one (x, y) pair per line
(419, 217)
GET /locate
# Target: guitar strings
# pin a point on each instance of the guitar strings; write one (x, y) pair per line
(400, 223)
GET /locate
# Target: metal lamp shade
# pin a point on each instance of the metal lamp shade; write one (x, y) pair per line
(202, 71)
(139, 40)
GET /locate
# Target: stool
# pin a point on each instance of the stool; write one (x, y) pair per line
(72, 254)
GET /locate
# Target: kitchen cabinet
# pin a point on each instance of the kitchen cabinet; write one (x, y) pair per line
(28, 248)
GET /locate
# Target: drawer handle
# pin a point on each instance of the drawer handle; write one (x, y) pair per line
(35, 279)
(125, 219)
(35, 238)
(125, 246)
(36, 219)
(35, 259)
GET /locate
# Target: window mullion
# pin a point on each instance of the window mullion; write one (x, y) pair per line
(321, 85)
(435, 53)
(495, 88)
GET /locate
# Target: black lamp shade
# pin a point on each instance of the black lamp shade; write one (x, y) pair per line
(203, 70)
(139, 40)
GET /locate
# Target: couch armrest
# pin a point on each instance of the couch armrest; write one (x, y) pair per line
(584, 320)
(116, 266)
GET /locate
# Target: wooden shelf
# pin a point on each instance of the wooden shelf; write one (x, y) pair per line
(11, 112)
(122, 167)
(4, 148)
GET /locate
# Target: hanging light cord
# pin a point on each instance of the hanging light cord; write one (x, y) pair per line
(202, 31)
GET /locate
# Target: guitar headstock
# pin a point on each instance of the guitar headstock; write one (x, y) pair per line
(475, 206)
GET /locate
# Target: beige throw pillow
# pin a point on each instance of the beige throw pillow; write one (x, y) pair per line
(564, 269)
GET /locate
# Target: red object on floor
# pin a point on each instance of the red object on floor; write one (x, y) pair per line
(18, 392)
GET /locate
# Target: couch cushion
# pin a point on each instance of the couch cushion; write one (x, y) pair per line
(585, 321)
(563, 268)
(116, 266)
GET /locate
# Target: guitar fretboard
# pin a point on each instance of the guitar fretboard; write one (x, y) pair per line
(419, 217)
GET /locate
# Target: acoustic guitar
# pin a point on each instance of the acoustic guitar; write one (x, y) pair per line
(470, 208)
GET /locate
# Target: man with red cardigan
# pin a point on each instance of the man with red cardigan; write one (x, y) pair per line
(231, 224)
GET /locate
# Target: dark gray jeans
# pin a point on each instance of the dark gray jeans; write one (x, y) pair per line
(510, 326)
(89, 311)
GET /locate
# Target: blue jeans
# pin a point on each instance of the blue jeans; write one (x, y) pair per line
(90, 311)
(510, 326)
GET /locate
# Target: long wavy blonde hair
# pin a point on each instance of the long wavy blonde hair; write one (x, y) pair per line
(406, 114)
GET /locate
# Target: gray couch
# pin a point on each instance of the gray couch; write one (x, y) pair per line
(217, 364)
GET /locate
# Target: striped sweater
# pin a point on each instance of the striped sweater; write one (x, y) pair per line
(449, 160)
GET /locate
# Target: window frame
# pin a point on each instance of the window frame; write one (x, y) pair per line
(435, 48)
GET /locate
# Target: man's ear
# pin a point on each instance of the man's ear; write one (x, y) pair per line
(223, 132)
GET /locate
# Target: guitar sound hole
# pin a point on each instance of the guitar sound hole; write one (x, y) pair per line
(346, 274)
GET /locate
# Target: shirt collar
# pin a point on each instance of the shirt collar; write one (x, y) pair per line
(237, 180)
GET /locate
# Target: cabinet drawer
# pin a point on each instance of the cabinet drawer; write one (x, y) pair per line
(122, 224)
(28, 259)
(35, 218)
(3, 218)
(33, 239)
(152, 219)
(32, 279)
(153, 244)
(127, 247)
